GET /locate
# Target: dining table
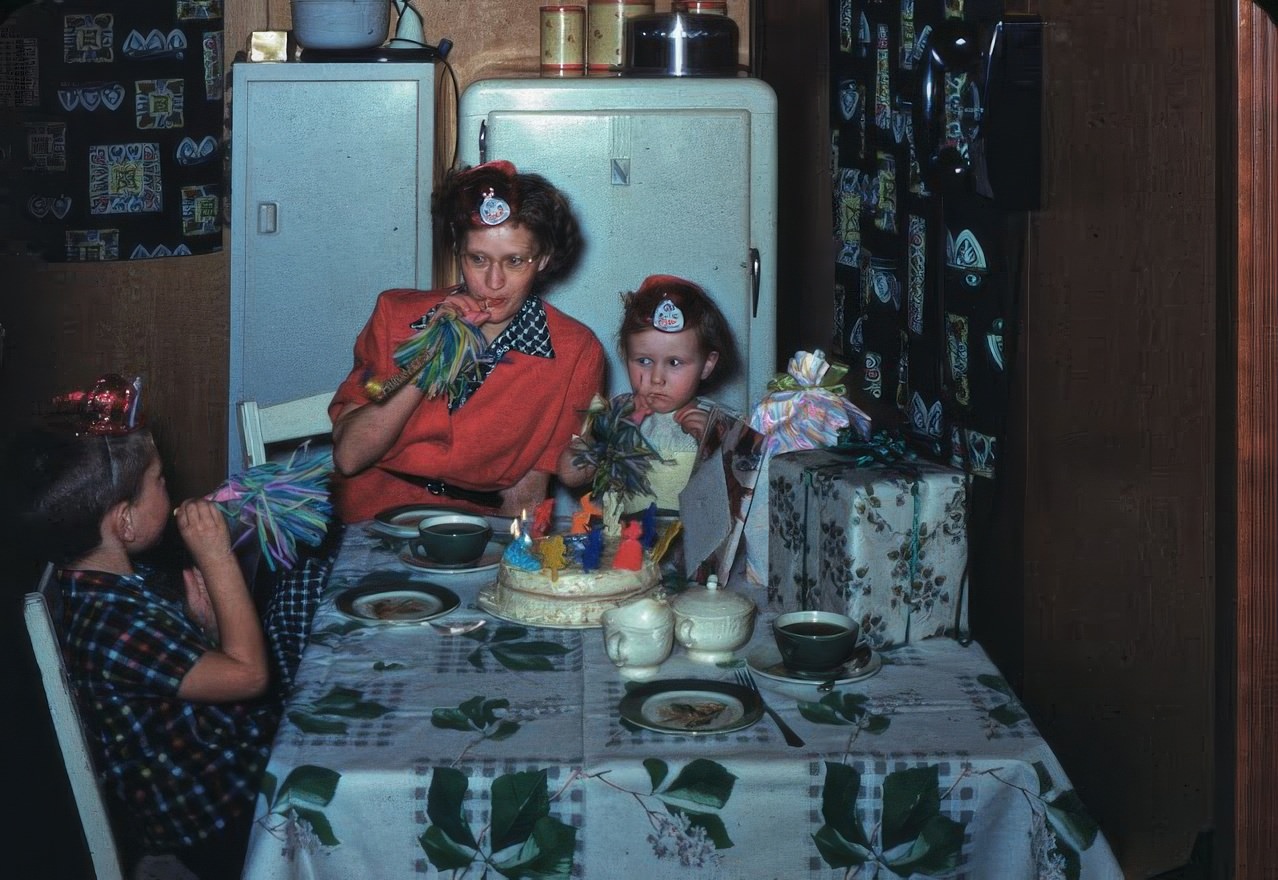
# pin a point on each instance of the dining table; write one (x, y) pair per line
(512, 750)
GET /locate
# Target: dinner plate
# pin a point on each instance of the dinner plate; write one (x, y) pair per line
(402, 521)
(691, 706)
(407, 603)
(766, 661)
(488, 562)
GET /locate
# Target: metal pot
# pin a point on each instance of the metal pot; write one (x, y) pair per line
(680, 44)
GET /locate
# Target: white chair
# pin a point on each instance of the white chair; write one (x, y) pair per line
(291, 420)
(73, 742)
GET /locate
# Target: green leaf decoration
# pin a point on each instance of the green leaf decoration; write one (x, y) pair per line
(319, 824)
(934, 851)
(877, 724)
(267, 786)
(450, 719)
(998, 683)
(505, 730)
(1071, 821)
(715, 830)
(508, 633)
(820, 713)
(383, 666)
(444, 807)
(309, 784)
(838, 803)
(545, 855)
(1008, 714)
(518, 801)
(308, 723)
(526, 656)
(702, 782)
(657, 771)
(476, 658)
(443, 852)
(838, 852)
(1045, 783)
(348, 703)
(1073, 863)
(910, 800)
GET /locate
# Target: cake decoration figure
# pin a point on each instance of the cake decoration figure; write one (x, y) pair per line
(630, 551)
(553, 555)
(592, 551)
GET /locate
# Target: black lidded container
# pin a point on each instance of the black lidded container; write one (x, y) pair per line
(680, 44)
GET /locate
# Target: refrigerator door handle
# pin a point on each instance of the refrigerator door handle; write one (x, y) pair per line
(483, 141)
(756, 277)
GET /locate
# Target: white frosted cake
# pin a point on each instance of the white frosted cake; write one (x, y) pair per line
(574, 598)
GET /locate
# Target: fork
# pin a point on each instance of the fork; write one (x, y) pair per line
(746, 680)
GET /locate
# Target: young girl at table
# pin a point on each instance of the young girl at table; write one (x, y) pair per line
(173, 692)
(676, 344)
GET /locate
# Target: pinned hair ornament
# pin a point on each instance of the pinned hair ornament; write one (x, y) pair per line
(493, 210)
(111, 408)
(667, 317)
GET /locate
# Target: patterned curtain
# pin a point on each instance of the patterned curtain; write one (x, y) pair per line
(112, 128)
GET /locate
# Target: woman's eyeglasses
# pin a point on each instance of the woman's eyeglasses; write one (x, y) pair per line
(514, 263)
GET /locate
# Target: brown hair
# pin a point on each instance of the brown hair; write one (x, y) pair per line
(61, 485)
(700, 314)
(535, 204)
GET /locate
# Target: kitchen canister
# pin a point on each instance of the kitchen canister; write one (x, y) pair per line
(340, 24)
(700, 7)
(563, 40)
(605, 34)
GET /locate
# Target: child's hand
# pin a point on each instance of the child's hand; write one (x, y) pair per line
(203, 530)
(693, 420)
(198, 603)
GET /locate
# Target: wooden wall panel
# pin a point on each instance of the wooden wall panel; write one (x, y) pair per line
(1250, 602)
(1119, 349)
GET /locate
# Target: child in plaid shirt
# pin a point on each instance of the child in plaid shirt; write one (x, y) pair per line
(174, 692)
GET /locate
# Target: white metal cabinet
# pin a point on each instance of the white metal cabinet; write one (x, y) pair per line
(667, 175)
(331, 177)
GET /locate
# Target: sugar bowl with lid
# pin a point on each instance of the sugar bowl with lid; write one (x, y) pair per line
(712, 622)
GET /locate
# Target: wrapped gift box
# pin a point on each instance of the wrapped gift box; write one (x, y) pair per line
(885, 543)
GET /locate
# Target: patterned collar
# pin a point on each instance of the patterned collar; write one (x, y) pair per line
(527, 333)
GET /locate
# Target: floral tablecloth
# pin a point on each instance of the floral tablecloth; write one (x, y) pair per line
(502, 753)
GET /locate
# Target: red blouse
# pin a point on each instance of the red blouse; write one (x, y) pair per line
(518, 421)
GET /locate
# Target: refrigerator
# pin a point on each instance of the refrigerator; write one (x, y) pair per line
(934, 146)
(667, 176)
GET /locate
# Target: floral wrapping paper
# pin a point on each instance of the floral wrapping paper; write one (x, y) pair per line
(111, 128)
(885, 544)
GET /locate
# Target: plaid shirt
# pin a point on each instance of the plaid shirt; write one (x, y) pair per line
(181, 770)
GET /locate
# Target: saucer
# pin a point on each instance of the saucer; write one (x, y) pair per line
(766, 661)
(488, 562)
(401, 522)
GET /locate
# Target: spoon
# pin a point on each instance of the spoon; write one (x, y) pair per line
(457, 627)
(859, 659)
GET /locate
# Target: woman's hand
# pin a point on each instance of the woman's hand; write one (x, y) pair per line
(470, 309)
(693, 420)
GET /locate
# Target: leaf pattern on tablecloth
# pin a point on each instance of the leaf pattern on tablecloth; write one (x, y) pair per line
(1062, 827)
(913, 836)
(294, 813)
(510, 646)
(484, 716)
(521, 838)
(328, 714)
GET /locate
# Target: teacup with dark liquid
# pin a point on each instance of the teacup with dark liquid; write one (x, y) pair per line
(452, 538)
(814, 644)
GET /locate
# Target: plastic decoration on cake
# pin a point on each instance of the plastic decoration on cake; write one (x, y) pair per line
(443, 358)
(280, 504)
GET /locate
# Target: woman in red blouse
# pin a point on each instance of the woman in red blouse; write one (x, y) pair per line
(494, 446)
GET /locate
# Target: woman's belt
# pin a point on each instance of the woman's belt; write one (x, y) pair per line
(447, 490)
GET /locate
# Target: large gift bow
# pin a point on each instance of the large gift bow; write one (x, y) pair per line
(805, 407)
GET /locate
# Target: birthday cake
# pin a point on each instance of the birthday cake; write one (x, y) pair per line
(550, 582)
